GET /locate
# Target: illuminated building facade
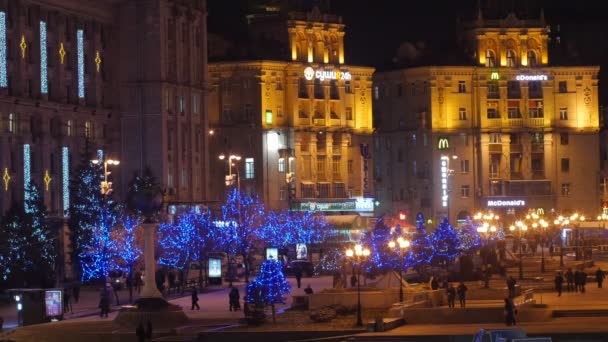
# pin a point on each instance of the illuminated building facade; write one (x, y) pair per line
(508, 132)
(301, 122)
(76, 73)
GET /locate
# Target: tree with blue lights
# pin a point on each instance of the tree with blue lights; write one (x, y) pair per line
(243, 221)
(98, 255)
(127, 250)
(421, 245)
(382, 258)
(445, 242)
(85, 205)
(15, 256)
(269, 287)
(289, 228)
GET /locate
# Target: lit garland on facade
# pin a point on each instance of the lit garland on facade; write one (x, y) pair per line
(80, 50)
(44, 88)
(61, 53)
(23, 46)
(47, 180)
(27, 174)
(3, 76)
(6, 178)
(65, 170)
(97, 60)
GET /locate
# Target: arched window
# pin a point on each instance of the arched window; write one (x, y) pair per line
(490, 58)
(532, 58)
(511, 62)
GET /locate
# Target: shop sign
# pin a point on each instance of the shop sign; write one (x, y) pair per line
(507, 203)
(531, 78)
(359, 205)
(322, 74)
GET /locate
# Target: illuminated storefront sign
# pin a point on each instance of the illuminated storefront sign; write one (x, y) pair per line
(443, 144)
(310, 73)
(361, 204)
(494, 75)
(532, 78)
(506, 203)
(444, 181)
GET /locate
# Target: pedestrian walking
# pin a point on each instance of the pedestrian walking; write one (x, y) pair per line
(511, 282)
(570, 280)
(599, 277)
(451, 291)
(551, 250)
(149, 329)
(104, 305)
(67, 304)
(462, 294)
(137, 281)
(559, 281)
(76, 291)
(233, 297)
(353, 281)
(583, 280)
(115, 289)
(308, 290)
(195, 299)
(298, 274)
(140, 333)
(434, 283)
(487, 276)
(510, 312)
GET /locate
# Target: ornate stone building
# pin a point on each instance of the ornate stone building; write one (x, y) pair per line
(301, 122)
(508, 132)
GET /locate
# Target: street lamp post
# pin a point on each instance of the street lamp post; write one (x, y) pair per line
(106, 187)
(562, 222)
(521, 227)
(403, 245)
(539, 223)
(229, 180)
(358, 254)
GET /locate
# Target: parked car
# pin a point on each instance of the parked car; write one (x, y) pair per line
(305, 266)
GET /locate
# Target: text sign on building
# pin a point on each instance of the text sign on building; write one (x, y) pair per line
(532, 78)
(322, 74)
(444, 181)
(443, 143)
(506, 203)
(494, 75)
(362, 204)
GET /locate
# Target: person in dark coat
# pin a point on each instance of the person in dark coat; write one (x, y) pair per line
(434, 284)
(451, 291)
(569, 280)
(308, 290)
(577, 281)
(67, 304)
(510, 312)
(353, 281)
(234, 299)
(76, 292)
(559, 281)
(149, 329)
(298, 273)
(599, 277)
(139, 332)
(462, 294)
(195, 299)
(511, 282)
(583, 280)
(104, 305)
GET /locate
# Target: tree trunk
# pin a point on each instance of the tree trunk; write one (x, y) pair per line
(130, 284)
(200, 274)
(274, 320)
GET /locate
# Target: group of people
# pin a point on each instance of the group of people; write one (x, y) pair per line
(576, 281)
(451, 292)
(68, 292)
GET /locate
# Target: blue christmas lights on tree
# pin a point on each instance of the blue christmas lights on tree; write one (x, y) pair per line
(421, 245)
(98, 254)
(269, 287)
(445, 242)
(184, 240)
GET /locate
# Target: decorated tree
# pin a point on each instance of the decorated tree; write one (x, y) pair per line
(269, 287)
(468, 237)
(85, 204)
(421, 245)
(242, 227)
(382, 258)
(127, 250)
(14, 255)
(139, 184)
(98, 255)
(290, 228)
(445, 242)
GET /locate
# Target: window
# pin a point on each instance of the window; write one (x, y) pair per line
(323, 190)
(195, 103)
(425, 139)
(182, 104)
(462, 87)
(349, 166)
(493, 113)
(308, 190)
(563, 86)
(535, 90)
(333, 90)
(565, 164)
(563, 138)
(248, 115)
(281, 164)
(399, 90)
(462, 114)
(413, 89)
(348, 87)
(565, 189)
(302, 88)
(87, 129)
(511, 62)
(226, 114)
(339, 190)
(532, 58)
(282, 194)
(464, 166)
(399, 155)
(490, 59)
(493, 90)
(69, 128)
(279, 112)
(513, 113)
(12, 123)
(349, 113)
(279, 84)
(464, 191)
(563, 113)
(335, 166)
(291, 165)
(184, 178)
(513, 90)
(376, 92)
(306, 167)
(321, 166)
(495, 138)
(249, 171)
(535, 112)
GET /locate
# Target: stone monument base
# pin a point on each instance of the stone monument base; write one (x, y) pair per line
(162, 314)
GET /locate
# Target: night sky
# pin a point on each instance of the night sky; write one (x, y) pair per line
(390, 34)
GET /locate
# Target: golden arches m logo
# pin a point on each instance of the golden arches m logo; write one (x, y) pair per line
(540, 211)
(443, 144)
(494, 75)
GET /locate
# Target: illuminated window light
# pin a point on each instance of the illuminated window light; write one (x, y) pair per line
(23, 46)
(80, 50)
(3, 77)
(65, 170)
(6, 178)
(97, 60)
(27, 173)
(47, 179)
(44, 89)
(61, 52)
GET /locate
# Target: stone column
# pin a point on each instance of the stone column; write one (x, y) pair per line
(149, 290)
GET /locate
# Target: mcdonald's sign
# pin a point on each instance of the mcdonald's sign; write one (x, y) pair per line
(494, 75)
(540, 211)
(443, 144)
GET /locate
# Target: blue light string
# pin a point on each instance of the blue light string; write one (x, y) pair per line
(27, 176)
(3, 55)
(44, 88)
(65, 169)
(80, 50)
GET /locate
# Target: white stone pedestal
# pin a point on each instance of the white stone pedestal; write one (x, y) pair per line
(150, 290)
